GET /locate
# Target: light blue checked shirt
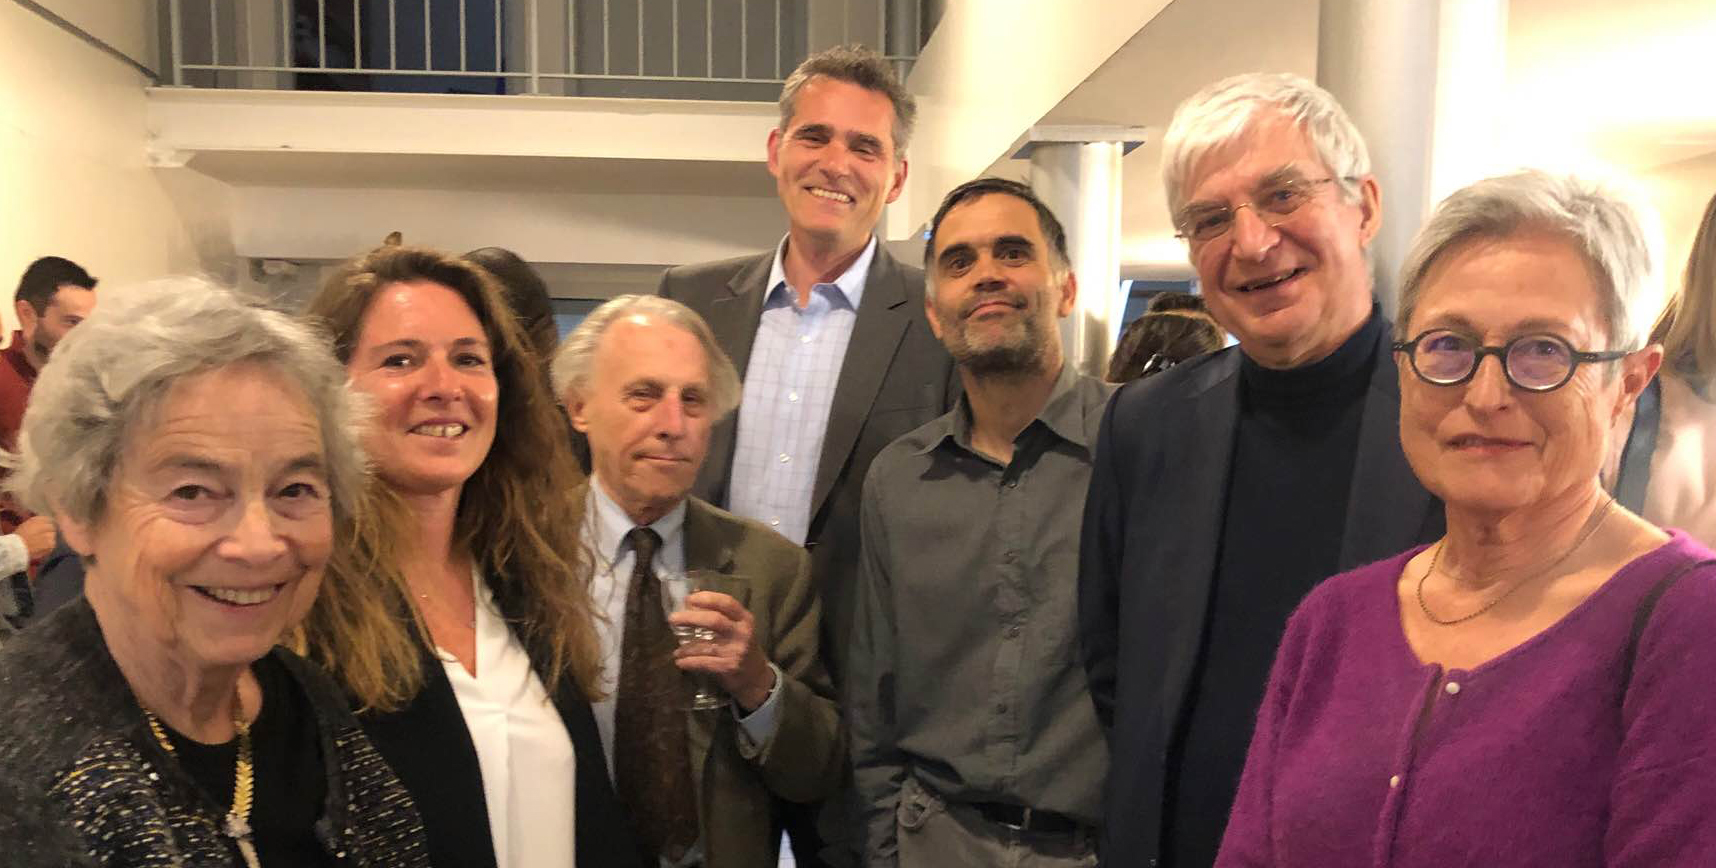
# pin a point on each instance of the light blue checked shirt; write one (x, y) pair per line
(789, 390)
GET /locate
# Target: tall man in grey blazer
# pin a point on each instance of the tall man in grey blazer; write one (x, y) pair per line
(828, 331)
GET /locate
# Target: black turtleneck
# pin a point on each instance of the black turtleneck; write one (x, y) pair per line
(1281, 534)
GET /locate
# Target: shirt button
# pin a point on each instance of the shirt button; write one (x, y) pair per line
(1012, 483)
(804, 339)
(792, 397)
(1010, 557)
(774, 522)
(1000, 708)
(1453, 687)
(1394, 782)
(1013, 631)
(785, 458)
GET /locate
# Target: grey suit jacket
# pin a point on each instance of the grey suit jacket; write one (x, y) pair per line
(896, 376)
(806, 758)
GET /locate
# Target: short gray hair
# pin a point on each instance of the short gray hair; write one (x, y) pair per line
(575, 360)
(109, 375)
(857, 65)
(1223, 112)
(1599, 223)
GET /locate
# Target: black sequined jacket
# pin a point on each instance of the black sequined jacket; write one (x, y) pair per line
(82, 782)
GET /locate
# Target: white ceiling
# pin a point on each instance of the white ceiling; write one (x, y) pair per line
(1628, 85)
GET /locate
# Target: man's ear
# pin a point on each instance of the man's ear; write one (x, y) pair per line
(26, 316)
(1069, 295)
(774, 147)
(929, 309)
(899, 184)
(574, 406)
(1370, 209)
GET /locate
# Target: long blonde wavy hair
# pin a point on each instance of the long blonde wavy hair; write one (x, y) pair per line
(518, 515)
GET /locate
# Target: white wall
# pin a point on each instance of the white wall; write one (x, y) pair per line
(72, 159)
(1680, 192)
(992, 69)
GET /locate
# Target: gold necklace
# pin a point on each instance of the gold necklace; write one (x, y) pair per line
(1591, 525)
(237, 825)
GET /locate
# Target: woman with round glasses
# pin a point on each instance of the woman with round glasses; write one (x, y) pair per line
(1534, 688)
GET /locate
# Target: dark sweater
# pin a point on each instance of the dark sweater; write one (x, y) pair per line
(1286, 510)
(82, 782)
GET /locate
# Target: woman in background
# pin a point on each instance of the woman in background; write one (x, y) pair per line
(1666, 470)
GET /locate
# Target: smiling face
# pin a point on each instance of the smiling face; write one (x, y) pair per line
(647, 412)
(1488, 446)
(834, 163)
(1290, 293)
(217, 524)
(996, 298)
(423, 356)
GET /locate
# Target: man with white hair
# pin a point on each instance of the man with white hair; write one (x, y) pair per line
(644, 380)
(1226, 488)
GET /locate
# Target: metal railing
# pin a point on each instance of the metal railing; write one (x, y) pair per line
(698, 49)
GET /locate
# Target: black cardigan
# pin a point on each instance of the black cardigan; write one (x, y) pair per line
(429, 747)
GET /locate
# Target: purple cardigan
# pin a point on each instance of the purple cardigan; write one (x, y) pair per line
(1364, 756)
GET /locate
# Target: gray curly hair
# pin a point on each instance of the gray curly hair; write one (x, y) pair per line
(110, 374)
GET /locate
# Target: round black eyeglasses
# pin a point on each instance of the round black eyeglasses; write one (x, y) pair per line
(1535, 363)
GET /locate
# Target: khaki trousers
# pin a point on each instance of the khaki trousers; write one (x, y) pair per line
(935, 834)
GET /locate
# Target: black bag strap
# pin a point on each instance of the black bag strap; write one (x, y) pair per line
(1634, 474)
(1641, 619)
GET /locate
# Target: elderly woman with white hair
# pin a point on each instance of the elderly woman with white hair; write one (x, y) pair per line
(198, 453)
(1533, 688)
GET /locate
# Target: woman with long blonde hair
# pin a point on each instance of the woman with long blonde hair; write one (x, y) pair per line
(478, 690)
(1666, 469)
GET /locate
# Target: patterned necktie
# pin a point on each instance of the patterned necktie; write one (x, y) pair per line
(652, 761)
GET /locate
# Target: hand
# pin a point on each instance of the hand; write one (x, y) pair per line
(38, 534)
(732, 658)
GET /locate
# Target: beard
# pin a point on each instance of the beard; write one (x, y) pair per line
(41, 347)
(1021, 348)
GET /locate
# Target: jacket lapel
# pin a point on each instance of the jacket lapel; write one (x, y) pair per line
(1193, 524)
(1388, 509)
(734, 319)
(882, 319)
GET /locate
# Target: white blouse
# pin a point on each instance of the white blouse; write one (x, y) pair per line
(523, 750)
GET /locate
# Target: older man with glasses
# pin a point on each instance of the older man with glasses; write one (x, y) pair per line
(1224, 489)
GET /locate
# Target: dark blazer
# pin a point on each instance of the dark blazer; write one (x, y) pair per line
(806, 758)
(1152, 531)
(895, 377)
(429, 747)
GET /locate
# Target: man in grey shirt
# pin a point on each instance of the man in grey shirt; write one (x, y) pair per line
(973, 734)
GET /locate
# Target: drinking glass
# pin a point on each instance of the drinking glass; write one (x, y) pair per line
(704, 695)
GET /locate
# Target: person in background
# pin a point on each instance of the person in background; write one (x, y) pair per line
(528, 297)
(828, 332)
(477, 690)
(200, 453)
(1539, 678)
(1665, 464)
(1226, 488)
(1157, 341)
(53, 296)
(643, 377)
(1178, 302)
(974, 741)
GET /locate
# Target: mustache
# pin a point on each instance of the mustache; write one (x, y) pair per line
(1016, 299)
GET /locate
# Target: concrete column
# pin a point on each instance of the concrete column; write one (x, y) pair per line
(1420, 78)
(1076, 170)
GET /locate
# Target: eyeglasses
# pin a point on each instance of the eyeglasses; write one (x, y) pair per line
(1535, 363)
(1272, 203)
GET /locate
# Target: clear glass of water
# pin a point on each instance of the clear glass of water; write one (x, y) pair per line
(704, 694)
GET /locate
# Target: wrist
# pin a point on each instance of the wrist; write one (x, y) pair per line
(757, 688)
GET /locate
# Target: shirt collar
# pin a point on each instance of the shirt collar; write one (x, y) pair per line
(850, 282)
(610, 524)
(1061, 414)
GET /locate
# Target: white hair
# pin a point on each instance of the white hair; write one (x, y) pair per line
(106, 379)
(575, 359)
(1225, 111)
(1599, 222)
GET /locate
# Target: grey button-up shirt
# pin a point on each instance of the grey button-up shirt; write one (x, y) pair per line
(964, 665)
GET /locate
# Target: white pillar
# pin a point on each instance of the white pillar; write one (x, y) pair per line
(1421, 79)
(1076, 171)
